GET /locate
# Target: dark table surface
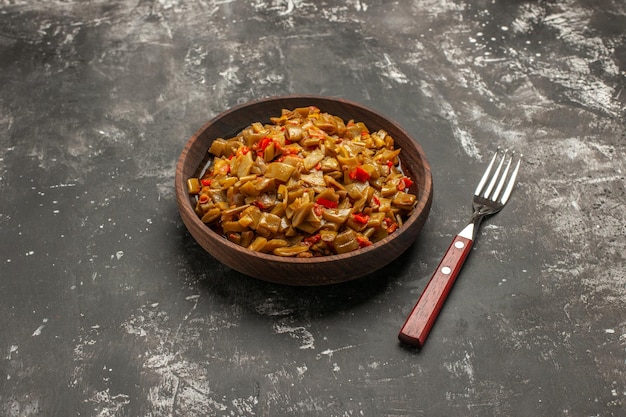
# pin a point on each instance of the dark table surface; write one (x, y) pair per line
(108, 307)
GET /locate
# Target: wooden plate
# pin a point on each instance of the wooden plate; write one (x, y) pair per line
(303, 271)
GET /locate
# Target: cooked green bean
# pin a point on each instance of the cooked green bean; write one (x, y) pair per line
(307, 184)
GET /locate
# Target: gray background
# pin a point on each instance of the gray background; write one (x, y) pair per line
(109, 308)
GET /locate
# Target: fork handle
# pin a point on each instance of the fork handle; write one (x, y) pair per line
(421, 319)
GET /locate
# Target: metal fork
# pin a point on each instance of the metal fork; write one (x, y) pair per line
(492, 193)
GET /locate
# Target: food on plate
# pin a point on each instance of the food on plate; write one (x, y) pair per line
(307, 184)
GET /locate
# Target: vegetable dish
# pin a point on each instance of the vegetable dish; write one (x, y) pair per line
(307, 184)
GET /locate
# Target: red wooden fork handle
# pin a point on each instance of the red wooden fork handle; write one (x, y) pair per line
(421, 319)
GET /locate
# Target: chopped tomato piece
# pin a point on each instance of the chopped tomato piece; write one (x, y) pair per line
(404, 183)
(326, 203)
(311, 240)
(388, 222)
(360, 174)
(361, 218)
(265, 142)
(261, 145)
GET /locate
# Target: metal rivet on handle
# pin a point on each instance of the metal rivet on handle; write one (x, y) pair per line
(446, 270)
(458, 244)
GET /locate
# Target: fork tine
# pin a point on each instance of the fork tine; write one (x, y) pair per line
(496, 192)
(483, 180)
(494, 178)
(509, 187)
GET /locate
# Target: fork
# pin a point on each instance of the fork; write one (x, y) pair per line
(492, 193)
